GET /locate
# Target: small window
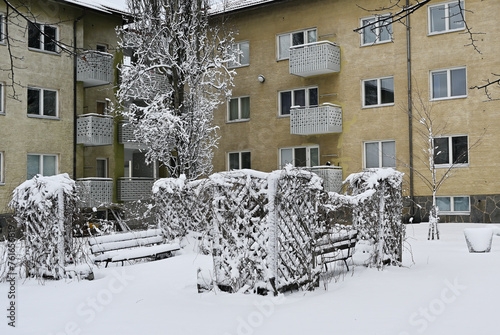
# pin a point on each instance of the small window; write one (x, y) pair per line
(377, 29)
(102, 48)
(451, 150)
(285, 41)
(453, 205)
(303, 97)
(45, 165)
(446, 17)
(102, 108)
(42, 102)
(238, 109)
(378, 92)
(3, 36)
(242, 54)
(102, 168)
(239, 160)
(380, 154)
(2, 180)
(449, 83)
(42, 37)
(307, 156)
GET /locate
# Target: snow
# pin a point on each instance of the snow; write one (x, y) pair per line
(446, 291)
(478, 239)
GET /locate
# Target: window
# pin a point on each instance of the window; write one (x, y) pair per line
(1, 168)
(102, 108)
(46, 165)
(239, 160)
(300, 156)
(2, 29)
(451, 150)
(285, 41)
(102, 168)
(242, 54)
(304, 97)
(2, 111)
(446, 17)
(378, 92)
(102, 48)
(378, 29)
(449, 83)
(238, 109)
(453, 205)
(42, 102)
(380, 154)
(42, 37)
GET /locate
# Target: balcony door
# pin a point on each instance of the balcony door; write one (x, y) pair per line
(136, 167)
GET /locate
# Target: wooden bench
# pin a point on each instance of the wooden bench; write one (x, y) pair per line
(335, 246)
(132, 245)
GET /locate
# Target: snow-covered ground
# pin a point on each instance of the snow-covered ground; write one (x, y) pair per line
(446, 290)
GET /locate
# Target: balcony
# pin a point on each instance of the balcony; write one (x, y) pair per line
(94, 130)
(314, 59)
(94, 68)
(324, 119)
(95, 192)
(126, 136)
(145, 86)
(331, 175)
(134, 188)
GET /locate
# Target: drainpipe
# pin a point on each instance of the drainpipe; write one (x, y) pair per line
(75, 93)
(410, 109)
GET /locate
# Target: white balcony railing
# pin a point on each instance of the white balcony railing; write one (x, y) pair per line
(95, 192)
(146, 85)
(126, 136)
(94, 129)
(134, 188)
(331, 175)
(324, 119)
(94, 68)
(314, 59)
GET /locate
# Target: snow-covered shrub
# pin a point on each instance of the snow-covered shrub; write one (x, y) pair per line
(378, 219)
(44, 208)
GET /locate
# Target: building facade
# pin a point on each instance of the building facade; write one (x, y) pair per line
(312, 92)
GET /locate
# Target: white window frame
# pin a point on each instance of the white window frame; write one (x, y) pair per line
(379, 92)
(42, 39)
(40, 166)
(448, 84)
(377, 29)
(380, 154)
(446, 17)
(452, 210)
(308, 154)
(240, 118)
(290, 36)
(2, 98)
(293, 104)
(2, 168)
(240, 160)
(450, 152)
(105, 160)
(2, 29)
(238, 55)
(41, 112)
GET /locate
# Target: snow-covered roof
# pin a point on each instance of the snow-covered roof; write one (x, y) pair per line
(105, 6)
(220, 6)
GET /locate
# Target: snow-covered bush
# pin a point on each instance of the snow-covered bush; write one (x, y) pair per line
(44, 208)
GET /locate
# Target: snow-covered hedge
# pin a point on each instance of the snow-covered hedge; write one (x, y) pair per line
(44, 207)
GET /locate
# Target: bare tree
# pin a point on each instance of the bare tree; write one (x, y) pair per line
(176, 79)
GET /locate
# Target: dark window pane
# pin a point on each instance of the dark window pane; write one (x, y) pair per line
(33, 166)
(389, 154)
(245, 107)
(439, 85)
(458, 84)
(314, 156)
(461, 204)
(234, 161)
(286, 102)
(33, 101)
(50, 103)
(385, 30)
(299, 98)
(313, 97)
(443, 203)
(369, 33)
(441, 151)
(49, 165)
(300, 157)
(233, 109)
(245, 160)
(460, 150)
(34, 35)
(298, 38)
(50, 38)
(372, 155)
(371, 93)
(387, 90)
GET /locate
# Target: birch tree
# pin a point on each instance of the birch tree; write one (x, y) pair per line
(177, 78)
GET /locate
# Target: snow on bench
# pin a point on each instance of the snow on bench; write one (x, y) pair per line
(332, 247)
(123, 247)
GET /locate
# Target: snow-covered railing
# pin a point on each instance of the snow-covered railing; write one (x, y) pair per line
(331, 175)
(95, 192)
(94, 68)
(134, 188)
(314, 58)
(94, 129)
(323, 119)
(145, 85)
(126, 136)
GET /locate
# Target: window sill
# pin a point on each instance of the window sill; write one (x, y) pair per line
(447, 166)
(238, 121)
(281, 116)
(378, 106)
(444, 32)
(44, 117)
(376, 43)
(449, 98)
(2, 113)
(54, 53)
(238, 67)
(454, 213)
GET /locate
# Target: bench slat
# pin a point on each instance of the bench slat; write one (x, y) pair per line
(139, 242)
(124, 236)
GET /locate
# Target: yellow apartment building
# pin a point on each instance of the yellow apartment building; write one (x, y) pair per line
(312, 92)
